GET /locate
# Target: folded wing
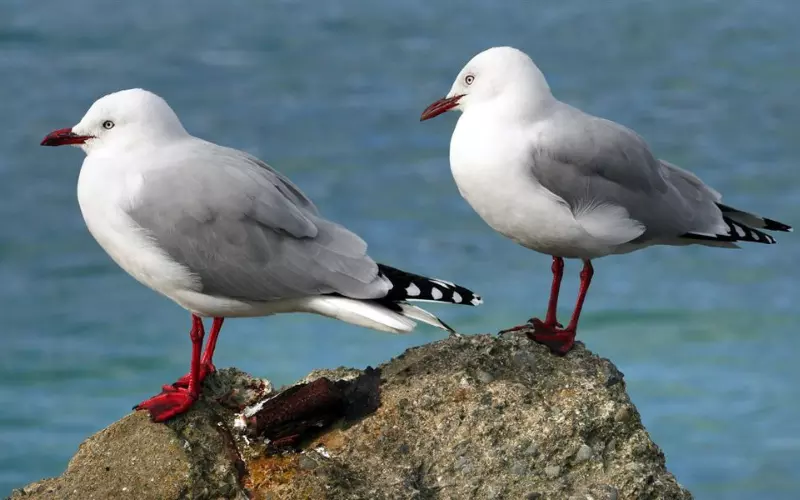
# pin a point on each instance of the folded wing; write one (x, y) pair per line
(247, 232)
(621, 193)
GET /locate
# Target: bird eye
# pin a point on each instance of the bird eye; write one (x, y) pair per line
(469, 79)
(108, 124)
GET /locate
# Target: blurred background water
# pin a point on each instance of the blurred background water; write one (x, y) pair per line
(330, 93)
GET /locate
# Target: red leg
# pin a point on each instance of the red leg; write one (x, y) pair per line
(212, 344)
(552, 304)
(561, 341)
(178, 399)
(586, 279)
(206, 365)
(555, 288)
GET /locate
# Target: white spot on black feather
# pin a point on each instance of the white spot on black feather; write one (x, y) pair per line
(412, 290)
(436, 293)
(456, 297)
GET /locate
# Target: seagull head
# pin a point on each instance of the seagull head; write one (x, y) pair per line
(504, 76)
(121, 120)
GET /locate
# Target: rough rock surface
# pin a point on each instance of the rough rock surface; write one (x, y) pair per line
(473, 417)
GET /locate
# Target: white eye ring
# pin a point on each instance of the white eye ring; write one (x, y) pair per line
(469, 79)
(108, 124)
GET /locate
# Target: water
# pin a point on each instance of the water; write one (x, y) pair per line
(331, 95)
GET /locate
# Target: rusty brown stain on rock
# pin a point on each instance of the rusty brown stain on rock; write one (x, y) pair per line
(332, 440)
(270, 473)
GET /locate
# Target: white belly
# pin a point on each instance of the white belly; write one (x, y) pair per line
(495, 179)
(104, 196)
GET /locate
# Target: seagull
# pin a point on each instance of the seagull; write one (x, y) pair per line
(571, 185)
(224, 235)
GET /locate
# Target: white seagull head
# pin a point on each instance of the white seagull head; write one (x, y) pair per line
(504, 77)
(121, 120)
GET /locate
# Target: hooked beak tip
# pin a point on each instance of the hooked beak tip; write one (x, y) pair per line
(442, 105)
(63, 136)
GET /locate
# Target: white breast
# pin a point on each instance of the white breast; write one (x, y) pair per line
(492, 171)
(105, 191)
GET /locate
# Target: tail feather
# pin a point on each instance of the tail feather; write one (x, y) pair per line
(753, 220)
(392, 313)
(368, 313)
(741, 226)
(420, 314)
(736, 232)
(413, 287)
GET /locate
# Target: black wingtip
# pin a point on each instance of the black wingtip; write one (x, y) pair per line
(413, 287)
(737, 232)
(757, 221)
(773, 225)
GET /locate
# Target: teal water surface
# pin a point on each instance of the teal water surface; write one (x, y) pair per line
(330, 93)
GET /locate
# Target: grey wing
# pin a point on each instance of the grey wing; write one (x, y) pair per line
(249, 234)
(283, 184)
(610, 180)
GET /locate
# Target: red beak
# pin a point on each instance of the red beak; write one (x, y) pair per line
(64, 136)
(439, 107)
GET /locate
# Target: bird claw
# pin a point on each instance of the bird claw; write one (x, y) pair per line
(555, 337)
(168, 404)
(527, 326)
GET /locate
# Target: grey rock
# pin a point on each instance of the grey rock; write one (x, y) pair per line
(484, 377)
(600, 492)
(190, 457)
(519, 468)
(494, 491)
(438, 434)
(462, 464)
(622, 415)
(532, 449)
(584, 453)
(552, 471)
(307, 463)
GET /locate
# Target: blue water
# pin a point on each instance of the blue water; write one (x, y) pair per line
(330, 93)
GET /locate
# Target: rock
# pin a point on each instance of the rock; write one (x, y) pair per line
(191, 457)
(623, 414)
(307, 463)
(532, 449)
(552, 471)
(584, 453)
(472, 417)
(484, 377)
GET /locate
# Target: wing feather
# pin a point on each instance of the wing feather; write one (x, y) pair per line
(607, 174)
(247, 232)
